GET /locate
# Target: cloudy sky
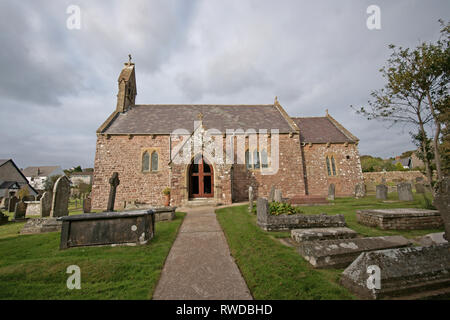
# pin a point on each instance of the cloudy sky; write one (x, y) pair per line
(58, 85)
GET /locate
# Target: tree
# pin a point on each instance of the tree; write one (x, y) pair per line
(416, 93)
(50, 182)
(23, 192)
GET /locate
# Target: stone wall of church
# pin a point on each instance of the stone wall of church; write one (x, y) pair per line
(124, 155)
(348, 168)
(289, 177)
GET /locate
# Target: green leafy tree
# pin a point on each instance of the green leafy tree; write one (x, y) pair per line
(416, 92)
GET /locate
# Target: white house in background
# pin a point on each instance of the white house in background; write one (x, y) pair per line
(37, 176)
(81, 177)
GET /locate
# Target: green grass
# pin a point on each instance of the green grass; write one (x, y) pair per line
(348, 207)
(33, 267)
(271, 269)
(275, 271)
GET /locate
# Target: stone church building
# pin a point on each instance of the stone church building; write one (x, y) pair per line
(146, 143)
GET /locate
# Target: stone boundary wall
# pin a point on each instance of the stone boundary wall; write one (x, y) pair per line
(392, 176)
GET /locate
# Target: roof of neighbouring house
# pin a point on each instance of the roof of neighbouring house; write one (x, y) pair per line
(164, 119)
(84, 173)
(41, 171)
(322, 130)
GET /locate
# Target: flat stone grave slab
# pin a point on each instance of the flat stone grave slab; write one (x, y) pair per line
(341, 253)
(312, 234)
(107, 228)
(405, 273)
(270, 222)
(41, 225)
(400, 219)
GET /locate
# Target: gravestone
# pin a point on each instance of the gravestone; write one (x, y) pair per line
(250, 199)
(420, 188)
(404, 192)
(360, 190)
(383, 180)
(20, 210)
(5, 203)
(419, 179)
(331, 191)
(60, 201)
(442, 203)
(107, 228)
(113, 182)
(278, 196)
(271, 194)
(382, 192)
(87, 205)
(342, 252)
(404, 273)
(12, 203)
(46, 204)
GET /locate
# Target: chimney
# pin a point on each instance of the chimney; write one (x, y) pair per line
(127, 87)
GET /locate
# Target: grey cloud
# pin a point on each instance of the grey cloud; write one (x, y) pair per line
(57, 86)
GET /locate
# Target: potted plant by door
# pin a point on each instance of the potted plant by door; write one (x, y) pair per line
(166, 193)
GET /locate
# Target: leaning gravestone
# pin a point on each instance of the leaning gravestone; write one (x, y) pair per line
(113, 182)
(4, 203)
(331, 192)
(442, 203)
(420, 188)
(271, 194)
(20, 210)
(60, 202)
(382, 192)
(278, 196)
(250, 199)
(404, 192)
(360, 190)
(12, 203)
(46, 204)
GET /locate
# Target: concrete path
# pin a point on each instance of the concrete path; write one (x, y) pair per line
(199, 265)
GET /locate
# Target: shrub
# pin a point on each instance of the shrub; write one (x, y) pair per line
(277, 208)
(166, 191)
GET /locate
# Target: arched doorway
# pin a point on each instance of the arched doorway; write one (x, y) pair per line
(201, 178)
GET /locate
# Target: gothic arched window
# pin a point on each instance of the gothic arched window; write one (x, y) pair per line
(154, 161)
(264, 159)
(145, 161)
(256, 161)
(328, 166)
(333, 166)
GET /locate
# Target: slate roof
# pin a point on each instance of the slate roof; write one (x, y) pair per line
(164, 119)
(320, 130)
(44, 171)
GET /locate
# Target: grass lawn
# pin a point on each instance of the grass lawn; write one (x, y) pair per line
(33, 267)
(275, 271)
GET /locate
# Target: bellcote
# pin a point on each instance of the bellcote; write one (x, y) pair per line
(127, 87)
